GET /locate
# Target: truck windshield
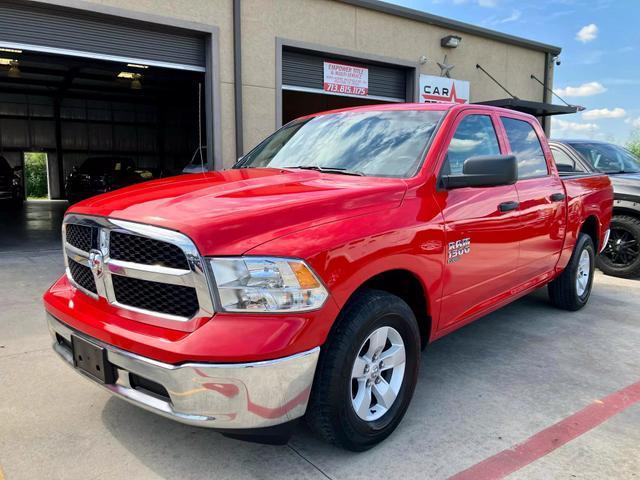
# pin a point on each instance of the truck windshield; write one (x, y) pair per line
(608, 158)
(371, 143)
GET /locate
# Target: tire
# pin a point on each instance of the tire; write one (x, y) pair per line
(621, 256)
(332, 412)
(565, 291)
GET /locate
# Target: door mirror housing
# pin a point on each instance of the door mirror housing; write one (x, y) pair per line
(484, 171)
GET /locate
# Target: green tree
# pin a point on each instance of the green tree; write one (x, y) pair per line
(634, 143)
(36, 174)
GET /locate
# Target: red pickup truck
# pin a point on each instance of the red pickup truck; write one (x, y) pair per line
(306, 280)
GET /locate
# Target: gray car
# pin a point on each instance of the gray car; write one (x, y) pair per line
(621, 256)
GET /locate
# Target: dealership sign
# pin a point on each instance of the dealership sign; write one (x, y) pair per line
(442, 89)
(340, 78)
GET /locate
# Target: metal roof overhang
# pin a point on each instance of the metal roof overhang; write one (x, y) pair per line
(537, 109)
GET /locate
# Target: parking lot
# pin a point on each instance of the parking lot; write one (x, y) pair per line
(484, 389)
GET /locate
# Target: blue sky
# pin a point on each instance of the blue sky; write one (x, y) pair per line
(600, 42)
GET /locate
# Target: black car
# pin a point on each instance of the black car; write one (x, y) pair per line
(103, 174)
(621, 256)
(10, 183)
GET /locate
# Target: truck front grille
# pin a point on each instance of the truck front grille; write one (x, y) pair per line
(156, 297)
(79, 236)
(139, 267)
(136, 249)
(82, 275)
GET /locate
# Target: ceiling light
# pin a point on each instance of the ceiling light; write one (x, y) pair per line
(136, 84)
(14, 70)
(450, 41)
(136, 65)
(10, 50)
(14, 67)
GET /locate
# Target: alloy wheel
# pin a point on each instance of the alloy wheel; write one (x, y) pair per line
(622, 249)
(583, 273)
(377, 373)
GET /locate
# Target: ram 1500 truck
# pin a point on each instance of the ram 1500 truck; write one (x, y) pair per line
(306, 280)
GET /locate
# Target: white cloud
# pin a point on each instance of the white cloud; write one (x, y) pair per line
(515, 15)
(591, 57)
(499, 20)
(634, 122)
(587, 33)
(599, 113)
(584, 90)
(565, 128)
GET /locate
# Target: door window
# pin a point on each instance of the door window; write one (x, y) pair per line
(525, 145)
(564, 162)
(474, 136)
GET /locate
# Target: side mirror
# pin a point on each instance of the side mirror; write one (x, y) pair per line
(484, 171)
(562, 168)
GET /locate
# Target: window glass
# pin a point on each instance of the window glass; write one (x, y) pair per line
(608, 158)
(374, 143)
(5, 168)
(564, 162)
(474, 136)
(525, 145)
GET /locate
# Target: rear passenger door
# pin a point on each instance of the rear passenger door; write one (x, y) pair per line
(481, 249)
(542, 199)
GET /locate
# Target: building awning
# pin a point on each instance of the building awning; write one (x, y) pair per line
(537, 109)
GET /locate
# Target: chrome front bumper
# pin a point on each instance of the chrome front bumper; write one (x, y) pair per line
(224, 396)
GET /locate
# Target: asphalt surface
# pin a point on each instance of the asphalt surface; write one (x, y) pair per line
(482, 389)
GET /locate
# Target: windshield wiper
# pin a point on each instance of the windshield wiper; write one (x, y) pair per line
(340, 171)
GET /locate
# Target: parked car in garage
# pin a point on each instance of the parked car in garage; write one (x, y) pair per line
(306, 280)
(11, 189)
(103, 174)
(621, 256)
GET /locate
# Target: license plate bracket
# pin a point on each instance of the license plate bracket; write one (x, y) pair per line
(92, 360)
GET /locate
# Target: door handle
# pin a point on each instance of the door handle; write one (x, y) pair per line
(508, 206)
(557, 197)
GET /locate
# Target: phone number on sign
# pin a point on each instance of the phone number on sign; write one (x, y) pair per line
(346, 89)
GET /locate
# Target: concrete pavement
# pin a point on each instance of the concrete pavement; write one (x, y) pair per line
(482, 389)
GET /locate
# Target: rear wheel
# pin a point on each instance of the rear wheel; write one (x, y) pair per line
(571, 290)
(621, 256)
(367, 372)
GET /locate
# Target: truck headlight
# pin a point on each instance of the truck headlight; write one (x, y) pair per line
(266, 284)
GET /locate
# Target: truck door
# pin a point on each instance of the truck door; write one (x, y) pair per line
(542, 199)
(481, 251)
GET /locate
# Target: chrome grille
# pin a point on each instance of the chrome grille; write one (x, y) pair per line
(137, 267)
(82, 275)
(79, 236)
(154, 296)
(137, 249)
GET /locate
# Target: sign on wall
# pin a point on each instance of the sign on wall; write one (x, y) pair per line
(340, 78)
(442, 89)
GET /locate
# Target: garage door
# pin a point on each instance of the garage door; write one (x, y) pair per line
(305, 72)
(53, 29)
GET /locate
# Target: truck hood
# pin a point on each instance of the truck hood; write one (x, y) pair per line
(230, 212)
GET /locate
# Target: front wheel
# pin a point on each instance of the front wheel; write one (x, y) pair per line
(621, 255)
(571, 290)
(367, 372)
